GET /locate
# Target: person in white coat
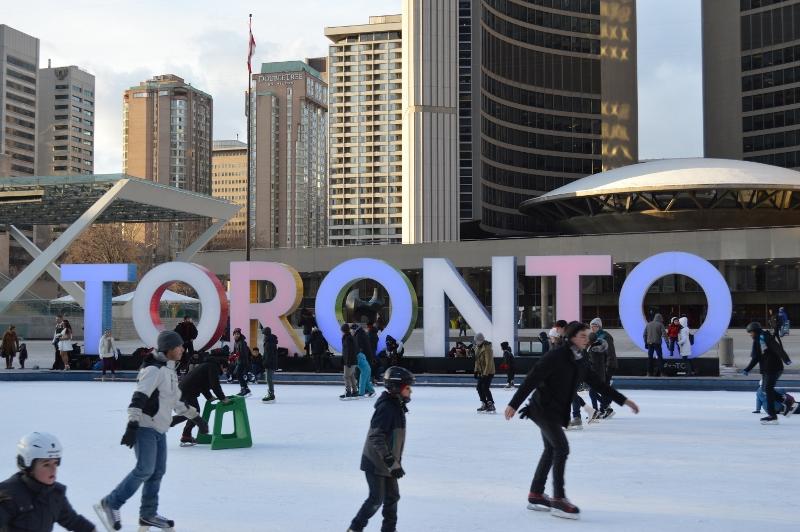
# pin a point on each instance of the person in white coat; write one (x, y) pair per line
(108, 354)
(685, 344)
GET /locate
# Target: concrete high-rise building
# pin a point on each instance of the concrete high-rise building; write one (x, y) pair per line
(558, 100)
(289, 105)
(751, 80)
(229, 182)
(430, 161)
(167, 126)
(365, 115)
(19, 88)
(320, 64)
(66, 115)
(469, 109)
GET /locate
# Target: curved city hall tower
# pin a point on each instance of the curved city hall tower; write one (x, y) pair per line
(558, 101)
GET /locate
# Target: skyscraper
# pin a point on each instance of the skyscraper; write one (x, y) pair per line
(365, 115)
(167, 127)
(289, 105)
(66, 114)
(229, 182)
(751, 97)
(558, 100)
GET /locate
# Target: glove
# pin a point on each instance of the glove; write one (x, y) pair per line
(177, 420)
(389, 460)
(129, 438)
(202, 424)
(398, 473)
(523, 412)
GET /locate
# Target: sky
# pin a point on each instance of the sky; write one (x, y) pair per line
(205, 42)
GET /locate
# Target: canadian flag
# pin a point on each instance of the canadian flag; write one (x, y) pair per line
(251, 48)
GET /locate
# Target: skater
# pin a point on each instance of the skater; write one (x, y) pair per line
(201, 380)
(65, 344)
(653, 335)
(770, 357)
(761, 400)
(241, 349)
(382, 458)
(108, 354)
(783, 321)
(685, 345)
(57, 362)
(31, 499)
(603, 359)
(319, 349)
(188, 333)
(149, 419)
(484, 373)
(307, 321)
(363, 356)
(270, 363)
(673, 331)
(394, 351)
(349, 358)
(10, 346)
(462, 326)
(556, 334)
(554, 381)
(508, 360)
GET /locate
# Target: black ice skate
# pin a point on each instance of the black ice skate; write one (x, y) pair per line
(156, 521)
(269, 398)
(539, 502)
(575, 424)
(482, 408)
(490, 409)
(564, 509)
(788, 405)
(244, 393)
(188, 441)
(608, 413)
(347, 396)
(108, 516)
(769, 420)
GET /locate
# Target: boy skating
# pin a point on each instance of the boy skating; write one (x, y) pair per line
(149, 419)
(382, 457)
(201, 380)
(31, 499)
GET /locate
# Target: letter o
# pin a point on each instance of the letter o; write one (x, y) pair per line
(210, 291)
(333, 290)
(718, 295)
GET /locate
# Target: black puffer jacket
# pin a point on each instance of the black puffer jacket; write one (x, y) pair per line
(386, 436)
(270, 350)
(202, 380)
(318, 343)
(348, 350)
(30, 506)
(363, 345)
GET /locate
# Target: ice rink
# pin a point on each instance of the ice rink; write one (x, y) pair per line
(689, 462)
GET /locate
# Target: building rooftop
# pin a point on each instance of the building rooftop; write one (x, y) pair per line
(288, 66)
(220, 145)
(376, 24)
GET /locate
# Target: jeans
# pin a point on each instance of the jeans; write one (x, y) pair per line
(243, 371)
(761, 398)
(577, 403)
(768, 382)
(672, 343)
(270, 385)
(383, 491)
(554, 456)
(365, 379)
(484, 388)
(657, 349)
(151, 464)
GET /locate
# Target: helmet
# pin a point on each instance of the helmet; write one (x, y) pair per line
(396, 377)
(753, 327)
(37, 445)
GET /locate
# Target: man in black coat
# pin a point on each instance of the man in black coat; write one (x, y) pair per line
(770, 357)
(202, 380)
(349, 361)
(270, 363)
(554, 381)
(319, 347)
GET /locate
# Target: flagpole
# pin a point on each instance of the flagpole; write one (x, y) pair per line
(249, 152)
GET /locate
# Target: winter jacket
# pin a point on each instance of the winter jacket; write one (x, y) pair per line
(157, 395)
(363, 345)
(372, 334)
(508, 357)
(386, 435)
(684, 344)
(598, 352)
(187, 330)
(673, 329)
(394, 350)
(348, 350)
(611, 351)
(554, 381)
(654, 332)
(317, 343)
(241, 348)
(270, 350)
(27, 505)
(10, 343)
(484, 360)
(203, 379)
(107, 349)
(307, 322)
(767, 353)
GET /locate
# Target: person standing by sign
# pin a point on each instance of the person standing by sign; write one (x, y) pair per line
(57, 362)
(508, 360)
(554, 382)
(484, 373)
(108, 354)
(654, 333)
(349, 363)
(363, 356)
(270, 363)
(10, 345)
(65, 343)
(242, 350)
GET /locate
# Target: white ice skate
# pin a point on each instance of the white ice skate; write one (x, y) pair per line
(108, 516)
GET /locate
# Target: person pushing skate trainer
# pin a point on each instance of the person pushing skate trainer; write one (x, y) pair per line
(554, 382)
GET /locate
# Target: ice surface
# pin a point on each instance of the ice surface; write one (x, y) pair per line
(691, 461)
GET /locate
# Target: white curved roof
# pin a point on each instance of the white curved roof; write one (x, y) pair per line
(678, 174)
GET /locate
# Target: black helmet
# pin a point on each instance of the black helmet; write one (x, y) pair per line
(753, 327)
(396, 377)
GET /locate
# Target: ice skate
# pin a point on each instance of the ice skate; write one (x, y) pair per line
(575, 424)
(244, 393)
(564, 509)
(108, 516)
(482, 408)
(788, 405)
(538, 502)
(188, 441)
(157, 522)
(370, 394)
(269, 398)
(595, 416)
(348, 396)
(608, 413)
(490, 409)
(769, 420)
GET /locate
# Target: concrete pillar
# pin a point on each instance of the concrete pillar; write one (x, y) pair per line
(544, 303)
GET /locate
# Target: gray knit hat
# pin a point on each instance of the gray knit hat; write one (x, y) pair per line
(596, 321)
(168, 340)
(479, 338)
